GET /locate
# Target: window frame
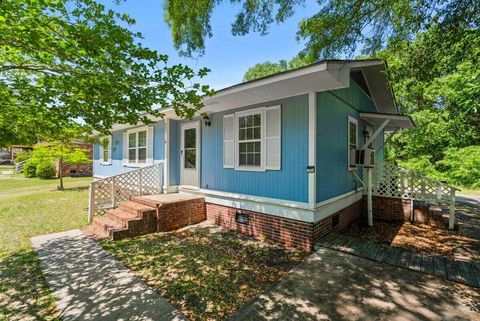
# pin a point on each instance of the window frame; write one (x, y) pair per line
(262, 140)
(351, 120)
(102, 151)
(136, 148)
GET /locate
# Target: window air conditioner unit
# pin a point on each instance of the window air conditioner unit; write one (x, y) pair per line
(363, 157)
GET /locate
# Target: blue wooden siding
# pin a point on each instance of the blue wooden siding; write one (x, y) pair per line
(333, 109)
(117, 166)
(289, 183)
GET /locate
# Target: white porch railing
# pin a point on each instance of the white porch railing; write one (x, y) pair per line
(390, 180)
(107, 192)
(19, 166)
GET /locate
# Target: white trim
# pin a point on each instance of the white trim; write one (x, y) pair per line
(136, 164)
(167, 154)
(351, 120)
(243, 113)
(282, 208)
(312, 146)
(335, 204)
(101, 160)
(193, 124)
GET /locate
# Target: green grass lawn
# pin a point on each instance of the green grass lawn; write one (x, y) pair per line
(207, 273)
(30, 207)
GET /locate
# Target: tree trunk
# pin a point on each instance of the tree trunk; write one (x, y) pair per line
(60, 172)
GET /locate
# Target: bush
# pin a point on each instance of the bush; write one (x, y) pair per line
(30, 168)
(423, 166)
(462, 166)
(45, 169)
(23, 155)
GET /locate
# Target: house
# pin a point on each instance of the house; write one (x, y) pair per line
(275, 156)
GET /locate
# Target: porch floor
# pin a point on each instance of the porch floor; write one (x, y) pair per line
(454, 270)
(161, 199)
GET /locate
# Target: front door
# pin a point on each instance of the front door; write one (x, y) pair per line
(190, 154)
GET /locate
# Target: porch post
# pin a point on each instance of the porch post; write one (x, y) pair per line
(166, 164)
(91, 202)
(312, 148)
(369, 196)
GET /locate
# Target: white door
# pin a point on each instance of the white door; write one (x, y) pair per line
(190, 154)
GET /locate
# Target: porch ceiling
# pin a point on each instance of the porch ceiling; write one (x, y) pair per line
(396, 121)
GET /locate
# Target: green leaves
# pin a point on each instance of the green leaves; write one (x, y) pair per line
(70, 62)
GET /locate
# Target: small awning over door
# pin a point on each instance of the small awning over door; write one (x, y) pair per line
(395, 122)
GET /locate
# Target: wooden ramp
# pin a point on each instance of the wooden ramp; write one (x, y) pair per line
(454, 270)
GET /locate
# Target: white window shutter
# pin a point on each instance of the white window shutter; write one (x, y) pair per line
(125, 148)
(228, 141)
(109, 150)
(273, 133)
(150, 145)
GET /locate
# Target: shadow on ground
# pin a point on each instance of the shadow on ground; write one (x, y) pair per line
(333, 285)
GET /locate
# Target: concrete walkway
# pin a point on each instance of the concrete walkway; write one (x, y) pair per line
(90, 285)
(332, 285)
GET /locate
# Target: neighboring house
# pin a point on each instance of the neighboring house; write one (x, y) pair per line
(78, 170)
(15, 149)
(274, 153)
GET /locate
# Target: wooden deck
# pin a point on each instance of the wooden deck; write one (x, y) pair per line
(455, 270)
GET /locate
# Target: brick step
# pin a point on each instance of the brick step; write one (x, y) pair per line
(105, 224)
(121, 216)
(135, 208)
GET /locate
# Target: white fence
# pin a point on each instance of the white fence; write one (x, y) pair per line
(390, 180)
(107, 192)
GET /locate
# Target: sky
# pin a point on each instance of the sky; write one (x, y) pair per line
(226, 55)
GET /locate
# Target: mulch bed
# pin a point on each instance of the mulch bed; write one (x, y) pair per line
(419, 237)
(206, 272)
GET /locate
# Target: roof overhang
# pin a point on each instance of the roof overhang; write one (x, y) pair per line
(322, 76)
(395, 121)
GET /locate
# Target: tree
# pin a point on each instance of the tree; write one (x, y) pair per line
(339, 26)
(269, 68)
(65, 62)
(46, 154)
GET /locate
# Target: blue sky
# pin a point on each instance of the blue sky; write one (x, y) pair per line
(227, 56)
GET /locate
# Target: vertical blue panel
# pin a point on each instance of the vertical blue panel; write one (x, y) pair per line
(289, 183)
(117, 166)
(333, 109)
(174, 152)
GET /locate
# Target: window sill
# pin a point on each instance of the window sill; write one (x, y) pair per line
(136, 165)
(106, 164)
(250, 169)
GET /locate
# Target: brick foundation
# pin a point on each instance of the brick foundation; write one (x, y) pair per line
(76, 170)
(397, 209)
(286, 232)
(172, 216)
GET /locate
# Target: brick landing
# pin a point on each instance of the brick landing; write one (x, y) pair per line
(149, 214)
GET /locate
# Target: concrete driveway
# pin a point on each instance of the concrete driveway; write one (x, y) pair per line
(331, 285)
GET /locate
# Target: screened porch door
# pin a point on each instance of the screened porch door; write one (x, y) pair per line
(190, 154)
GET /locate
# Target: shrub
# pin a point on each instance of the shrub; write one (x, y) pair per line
(30, 168)
(45, 169)
(23, 155)
(423, 166)
(462, 166)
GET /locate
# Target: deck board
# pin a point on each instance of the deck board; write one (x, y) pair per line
(439, 266)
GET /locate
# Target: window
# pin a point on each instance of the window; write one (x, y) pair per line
(190, 148)
(252, 139)
(138, 145)
(352, 141)
(105, 150)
